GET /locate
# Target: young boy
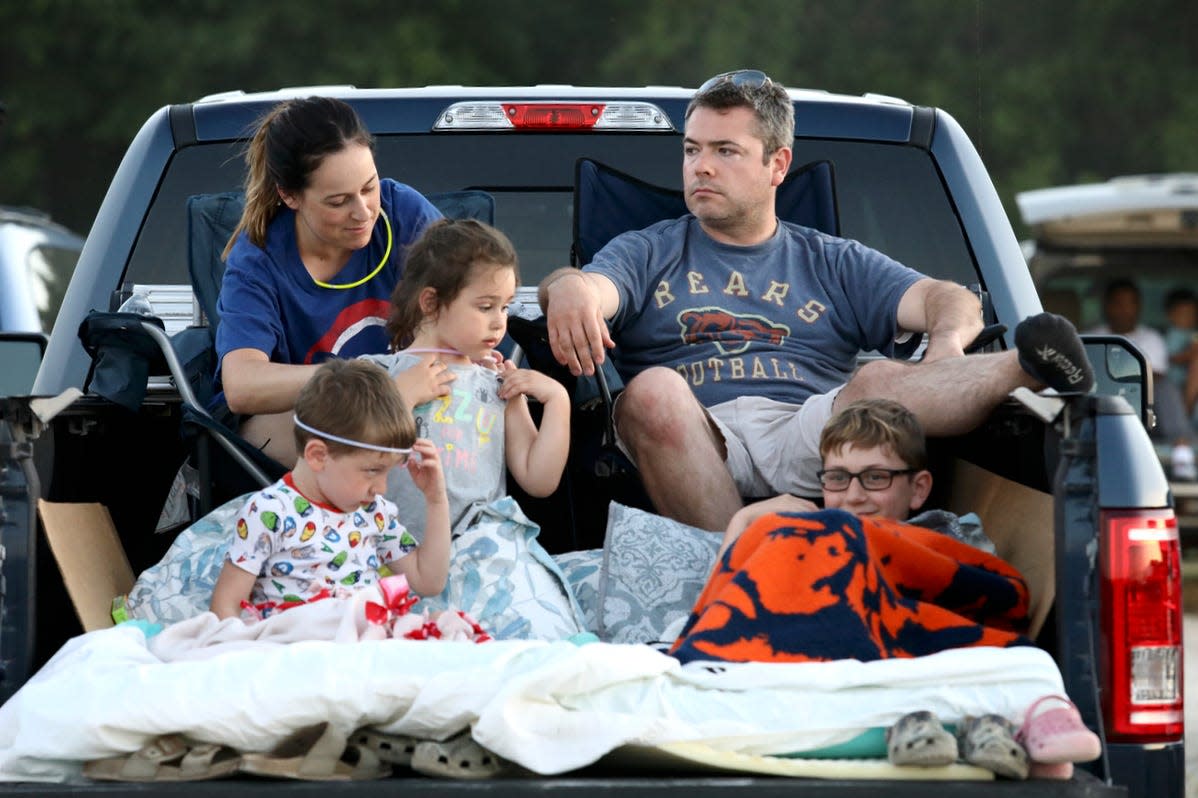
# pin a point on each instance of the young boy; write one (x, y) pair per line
(325, 526)
(874, 463)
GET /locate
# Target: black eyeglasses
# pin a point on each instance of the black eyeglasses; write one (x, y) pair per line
(837, 479)
(741, 78)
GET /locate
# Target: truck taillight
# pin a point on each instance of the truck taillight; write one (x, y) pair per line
(543, 115)
(1140, 572)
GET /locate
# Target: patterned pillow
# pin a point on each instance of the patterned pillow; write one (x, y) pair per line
(582, 570)
(505, 579)
(180, 585)
(653, 570)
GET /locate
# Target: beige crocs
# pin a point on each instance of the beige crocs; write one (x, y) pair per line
(918, 739)
(394, 749)
(988, 741)
(458, 757)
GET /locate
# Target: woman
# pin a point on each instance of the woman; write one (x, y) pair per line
(311, 266)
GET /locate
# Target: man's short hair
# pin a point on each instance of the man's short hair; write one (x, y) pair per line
(1118, 286)
(771, 106)
(876, 423)
(356, 400)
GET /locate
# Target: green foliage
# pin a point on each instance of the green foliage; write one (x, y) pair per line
(1050, 92)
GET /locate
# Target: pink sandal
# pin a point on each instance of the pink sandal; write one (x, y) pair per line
(1056, 734)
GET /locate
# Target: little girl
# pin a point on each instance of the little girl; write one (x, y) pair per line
(449, 313)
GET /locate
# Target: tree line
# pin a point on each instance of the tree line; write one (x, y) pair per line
(1051, 93)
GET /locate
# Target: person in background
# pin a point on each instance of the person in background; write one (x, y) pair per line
(1181, 341)
(311, 266)
(1121, 308)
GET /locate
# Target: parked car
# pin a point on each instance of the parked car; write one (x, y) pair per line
(1097, 526)
(37, 257)
(1138, 227)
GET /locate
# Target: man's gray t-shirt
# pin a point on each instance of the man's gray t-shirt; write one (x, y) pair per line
(784, 319)
(467, 427)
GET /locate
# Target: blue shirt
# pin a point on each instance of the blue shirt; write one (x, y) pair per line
(269, 302)
(784, 319)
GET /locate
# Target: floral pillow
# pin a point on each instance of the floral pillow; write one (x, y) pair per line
(582, 572)
(653, 571)
(505, 579)
(180, 585)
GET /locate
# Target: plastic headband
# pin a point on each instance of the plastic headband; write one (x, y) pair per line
(357, 444)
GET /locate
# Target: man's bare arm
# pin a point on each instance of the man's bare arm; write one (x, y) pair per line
(577, 305)
(950, 314)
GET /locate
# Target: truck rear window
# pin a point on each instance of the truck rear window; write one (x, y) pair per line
(889, 196)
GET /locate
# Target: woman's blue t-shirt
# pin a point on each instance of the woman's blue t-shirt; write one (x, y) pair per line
(269, 302)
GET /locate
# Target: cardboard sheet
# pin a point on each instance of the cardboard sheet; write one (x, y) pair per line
(1019, 520)
(90, 557)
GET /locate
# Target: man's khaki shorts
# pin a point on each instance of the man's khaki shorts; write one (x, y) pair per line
(773, 447)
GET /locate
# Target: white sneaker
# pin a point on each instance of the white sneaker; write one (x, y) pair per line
(1181, 463)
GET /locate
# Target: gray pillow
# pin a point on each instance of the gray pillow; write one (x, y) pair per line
(653, 570)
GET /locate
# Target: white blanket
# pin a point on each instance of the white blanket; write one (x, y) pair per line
(551, 707)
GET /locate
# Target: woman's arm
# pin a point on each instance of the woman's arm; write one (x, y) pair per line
(254, 385)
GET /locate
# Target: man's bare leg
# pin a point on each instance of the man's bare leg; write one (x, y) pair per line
(949, 396)
(679, 454)
(274, 434)
(953, 395)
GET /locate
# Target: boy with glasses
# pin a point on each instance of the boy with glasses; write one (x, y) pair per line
(874, 464)
(820, 586)
(734, 406)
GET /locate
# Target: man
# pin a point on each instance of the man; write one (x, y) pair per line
(772, 317)
(1121, 306)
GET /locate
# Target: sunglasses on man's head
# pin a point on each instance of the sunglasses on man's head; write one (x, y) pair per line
(741, 78)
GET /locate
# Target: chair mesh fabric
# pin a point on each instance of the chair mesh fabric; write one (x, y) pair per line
(608, 202)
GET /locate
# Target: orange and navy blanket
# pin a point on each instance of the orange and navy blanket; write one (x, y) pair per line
(827, 585)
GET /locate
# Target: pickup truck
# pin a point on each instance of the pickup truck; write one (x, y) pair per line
(1097, 527)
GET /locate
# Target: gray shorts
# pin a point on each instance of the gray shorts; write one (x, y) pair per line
(773, 447)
